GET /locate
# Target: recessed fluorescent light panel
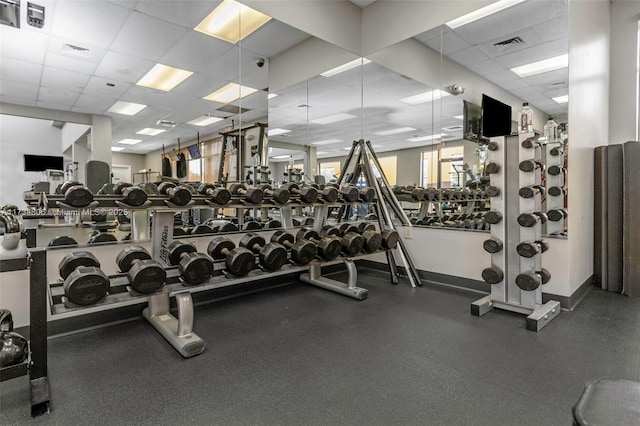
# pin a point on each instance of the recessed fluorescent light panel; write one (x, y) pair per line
(150, 131)
(281, 157)
(130, 141)
(271, 95)
(426, 138)
(420, 98)
(394, 131)
(126, 108)
(333, 118)
(204, 120)
(164, 77)
(326, 142)
(545, 65)
(275, 132)
(117, 148)
(459, 117)
(345, 67)
(561, 99)
(232, 21)
(482, 12)
(230, 93)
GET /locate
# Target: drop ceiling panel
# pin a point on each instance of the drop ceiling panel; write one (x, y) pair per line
(199, 85)
(19, 71)
(449, 43)
(486, 67)
(92, 22)
(195, 51)
(96, 103)
(535, 53)
(27, 46)
(553, 29)
(147, 37)
(57, 96)
(99, 86)
(556, 76)
(69, 64)
(123, 68)
(63, 79)
(17, 101)
(18, 90)
(469, 56)
(186, 13)
(273, 38)
(52, 105)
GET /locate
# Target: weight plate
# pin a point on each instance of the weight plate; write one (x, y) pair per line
(147, 276)
(177, 248)
(492, 275)
(75, 260)
(125, 258)
(329, 247)
(390, 238)
(62, 240)
(196, 268)
(273, 256)
(492, 245)
(240, 261)
(86, 286)
(219, 246)
(303, 252)
(528, 281)
(528, 250)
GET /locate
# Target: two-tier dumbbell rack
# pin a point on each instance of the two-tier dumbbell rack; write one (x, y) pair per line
(507, 153)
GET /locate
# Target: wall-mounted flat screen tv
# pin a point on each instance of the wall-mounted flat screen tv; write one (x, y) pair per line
(40, 163)
(496, 117)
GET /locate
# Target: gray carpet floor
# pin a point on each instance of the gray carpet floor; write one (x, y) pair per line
(299, 355)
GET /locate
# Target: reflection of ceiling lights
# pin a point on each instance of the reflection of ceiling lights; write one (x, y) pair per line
(150, 131)
(326, 142)
(459, 117)
(130, 141)
(394, 131)
(164, 77)
(275, 132)
(345, 67)
(232, 21)
(126, 108)
(420, 98)
(204, 120)
(427, 138)
(271, 95)
(482, 12)
(321, 152)
(117, 148)
(282, 157)
(545, 65)
(561, 99)
(333, 118)
(230, 93)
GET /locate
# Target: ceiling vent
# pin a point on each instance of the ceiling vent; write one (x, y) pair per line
(74, 50)
(509, 44)
(557, 85)
(166, 123)
(232, 109)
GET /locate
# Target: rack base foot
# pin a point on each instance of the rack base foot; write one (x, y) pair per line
(314, 277)
(537, 318)
(481, 306)
(40, 397)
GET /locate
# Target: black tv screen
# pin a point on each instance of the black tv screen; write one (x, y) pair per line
(40, 163)
(472, 118)
(496, 118)
(194, 152)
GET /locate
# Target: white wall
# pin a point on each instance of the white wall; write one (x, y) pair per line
(623, 115)
(19, 136)
(71, 132)
(589, 27)
(136, 161)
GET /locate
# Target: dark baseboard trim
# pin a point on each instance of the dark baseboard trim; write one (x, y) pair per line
(567, 303)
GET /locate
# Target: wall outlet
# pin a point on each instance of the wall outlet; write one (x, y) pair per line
(408, 232)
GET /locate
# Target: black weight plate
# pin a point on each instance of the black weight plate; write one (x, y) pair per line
(492, 275)
(527, 165)
(372, 240)
(147, 276)
(366, 226)
(228, 227)
(390, 239)
(201, 229)
(251, 226)
(491, 168)
(68, 184)
(204, 187)
(273, 256)
(134, 196)
(177, 248)
(103, 237)
(86, 286)
(528, 281)
(75, 260)
(329, 230)
(330, 194)
(254, 195)
(555, 191)
(196, 268)
(179, 232)
(492, 245)
(221, 196)
(164, 187)
(282, 237)
(62, 240)
(309, 194)
(125, 258)
(78, 196)
(526, 219)
(555, 170)
(307, 234)
(493, 217)
(492, 191)
(303, 252)
(545, 276)
(349, 193)
(527, 192)
(180, 196)
(544, 245)
(493, 146)
(240, 261)
(352, 243)
(555, 215)
(218, 246)
(281, 195)
(367, 194)
(528, 250)
(253, 242)
(418, 194)
(272, 224)
(329, 247)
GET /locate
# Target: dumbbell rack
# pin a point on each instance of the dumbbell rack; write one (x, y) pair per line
(506, 294)
(554, 227)
(178, 331)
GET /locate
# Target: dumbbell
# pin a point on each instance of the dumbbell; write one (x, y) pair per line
(238, 261)
(178, 195)
(529, 249)
(84, 281)
(348, 193)
(530, 165)
(302, 252)
(492, 191)
(251, 225)
(492, 275)
(145, 275)
(531, 191)
(556, 215)
(62, 240)
(557, 191)
(328, 248)
(251, 195)
(556, 152)
(530, 143)
(417, 194)
(493, 146)
(491, 168)
(372, 238)
(76, 194)
(272, 256)
(492, 245)
(329, 194)
(179, 231)
(222, 226)
(556, 170)
(529, 281)
(195, 268)
(432, 194)
(307, 194)
(201, 229)
(530, 219)
(219, 195)
(446, 194)
(131, 195)
(493, 217)
(366, 194)
(279, 195)
(98, 237)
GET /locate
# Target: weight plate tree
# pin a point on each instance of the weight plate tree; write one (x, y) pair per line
(515, 273)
